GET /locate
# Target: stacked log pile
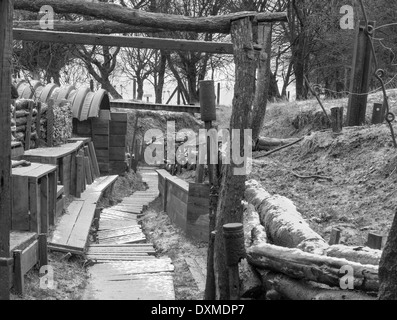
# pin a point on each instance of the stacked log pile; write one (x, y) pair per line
(61, 116)
(30, 123)
(23, 116)
(294, 262)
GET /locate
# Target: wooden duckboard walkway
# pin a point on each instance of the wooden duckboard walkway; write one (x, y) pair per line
(125, 266)
(72, 232)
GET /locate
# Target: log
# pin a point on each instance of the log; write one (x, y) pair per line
(117, 13)
(133, 42)
(303, 290)
(284, 225)
(264, 143)
(302, 265)
(363, 255)
(251, 221)
(91, 26)
(250, 282)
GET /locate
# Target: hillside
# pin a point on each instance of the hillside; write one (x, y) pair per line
(361, 162)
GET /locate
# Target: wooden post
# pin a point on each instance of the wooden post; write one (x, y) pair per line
(50, 123)
(378, 115)
(263, 82)
(43, 251)
(359, 85)
(232, 185)
(335, 237)
(218, 96)
(375, 241)
(6, 13)
(337, 119)
(38, 118)
(28, 132)
(233, 234)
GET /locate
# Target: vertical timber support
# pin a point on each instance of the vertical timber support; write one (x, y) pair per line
(208, 115)
(360, 76)
(263, 82)
(6, 13)
(232, 185)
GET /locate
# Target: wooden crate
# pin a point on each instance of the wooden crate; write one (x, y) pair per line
(64, 157)
(34, 197)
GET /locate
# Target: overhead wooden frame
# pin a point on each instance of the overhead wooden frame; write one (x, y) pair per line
(123, 41)
(134, 17)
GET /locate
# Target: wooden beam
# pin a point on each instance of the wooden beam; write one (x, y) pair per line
(90, 26)
(360, 77)
(114, 12)
(122, 41)
(124, 104)
(6, 13)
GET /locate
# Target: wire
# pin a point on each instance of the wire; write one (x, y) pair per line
(386, 25)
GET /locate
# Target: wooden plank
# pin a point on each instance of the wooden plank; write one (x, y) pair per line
(118, 128)
(99, 258)
(80, 175)
(119, 117)
(30, 257)
(83, 127)
(94, 159)
(100, 127)
(101, 141)
(125, 104)
(20, 203)
(117, 141)
(66, 173)
(73, 174)
(117, 154)
(88, 154)
(28, 133)
(104, 167)
(19, 280)
(52, 197)
(43, 250)
(87, 169)
(34, 205)
(79, 235)
(66, 224)
(44, 205)
(133, 42)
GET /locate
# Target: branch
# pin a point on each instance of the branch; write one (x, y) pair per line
(311, 177)
(278, 149)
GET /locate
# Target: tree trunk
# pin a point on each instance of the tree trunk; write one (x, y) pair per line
(302, 265)
(140, 91)
(262, 87)
(230, 209)
(161, 76)
(388, 266)
(109, 88)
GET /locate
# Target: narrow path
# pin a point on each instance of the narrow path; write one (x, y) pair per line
(124, 266)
